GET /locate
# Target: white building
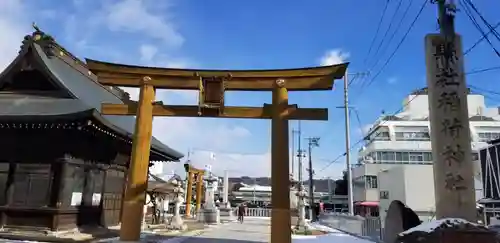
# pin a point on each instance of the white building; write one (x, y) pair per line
(396, 161)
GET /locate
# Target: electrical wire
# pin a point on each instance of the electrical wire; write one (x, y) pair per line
(483, 37)
(378, 30)
(360, 125)
(485, 22)
(484, 90)
(489, 94)
(482, 70)
(478, 27)
(384, 49)
(363, 139)
(397, 47)
(398, 111)
(388, 28)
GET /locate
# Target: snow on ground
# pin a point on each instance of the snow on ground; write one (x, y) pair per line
(333, 235)
(442, 223)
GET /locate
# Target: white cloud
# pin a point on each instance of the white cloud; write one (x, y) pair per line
(202, 137)
(147, 52)
(136, 16)
(13, 26)
(335, 56)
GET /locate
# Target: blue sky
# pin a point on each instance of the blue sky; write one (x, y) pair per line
(224, 34)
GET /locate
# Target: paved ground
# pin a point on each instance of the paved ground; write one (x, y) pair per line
(252, 230)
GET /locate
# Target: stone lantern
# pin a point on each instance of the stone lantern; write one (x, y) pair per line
(177, 222)
(210, 214)
(301, 195)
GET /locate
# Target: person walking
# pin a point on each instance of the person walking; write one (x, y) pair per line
(241, 212)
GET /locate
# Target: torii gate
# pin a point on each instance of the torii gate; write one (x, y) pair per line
(212, 85)
(191, 174)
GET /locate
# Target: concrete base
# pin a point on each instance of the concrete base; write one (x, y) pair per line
(209, 216)
(177, 224)
(227, 214)
(301, 228)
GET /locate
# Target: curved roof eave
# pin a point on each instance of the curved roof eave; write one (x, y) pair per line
(92, 95)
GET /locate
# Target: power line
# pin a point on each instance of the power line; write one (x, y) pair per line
(395, 31)
(484, 90)
(485, 22)
(388, 28)
(378, 29)
(478, 27)
(489, 94)
(483, 37)
(482, 70)
(398, 46)
(395, 113)
(362, 139)
(384, 49)
(360, 125)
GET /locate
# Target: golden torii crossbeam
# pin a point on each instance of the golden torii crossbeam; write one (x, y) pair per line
(212, 85)
(292, 111)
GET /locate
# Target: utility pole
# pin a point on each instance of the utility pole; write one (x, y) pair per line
(300, 153)
(348, 146)
(312, 142)
(293, 151)
(350, 199)
(449, 119)
(329, 189)
(301, 223)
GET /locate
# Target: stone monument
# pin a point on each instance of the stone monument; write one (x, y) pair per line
(210, 214)
(226, 212)
(177, 223)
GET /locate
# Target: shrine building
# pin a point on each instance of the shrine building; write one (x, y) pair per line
(63, 164)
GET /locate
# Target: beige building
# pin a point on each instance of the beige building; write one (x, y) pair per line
(403, 140)
(412, 185)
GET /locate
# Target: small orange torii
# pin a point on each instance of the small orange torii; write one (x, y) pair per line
(193, 172)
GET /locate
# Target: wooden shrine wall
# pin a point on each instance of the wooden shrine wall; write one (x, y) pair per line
(42, 187)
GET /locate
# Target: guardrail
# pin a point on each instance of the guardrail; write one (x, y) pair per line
(369, 227)
(255, 212)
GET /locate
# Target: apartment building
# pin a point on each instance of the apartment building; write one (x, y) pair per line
(403, 140)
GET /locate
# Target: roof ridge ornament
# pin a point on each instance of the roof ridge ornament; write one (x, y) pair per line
(44, 40)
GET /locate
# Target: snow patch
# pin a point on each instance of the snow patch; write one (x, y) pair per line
(320, 227)
(329, 238)
(442, 223)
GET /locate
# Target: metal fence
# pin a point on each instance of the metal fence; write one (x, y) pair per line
(255, 212)
(369, 227)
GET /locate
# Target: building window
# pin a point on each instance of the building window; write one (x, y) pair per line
(382, 136)
(488, 136)
(475, 156)
(384, 194)
(412, 136)
(416, 156)
(391, 157)
(371, 181)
